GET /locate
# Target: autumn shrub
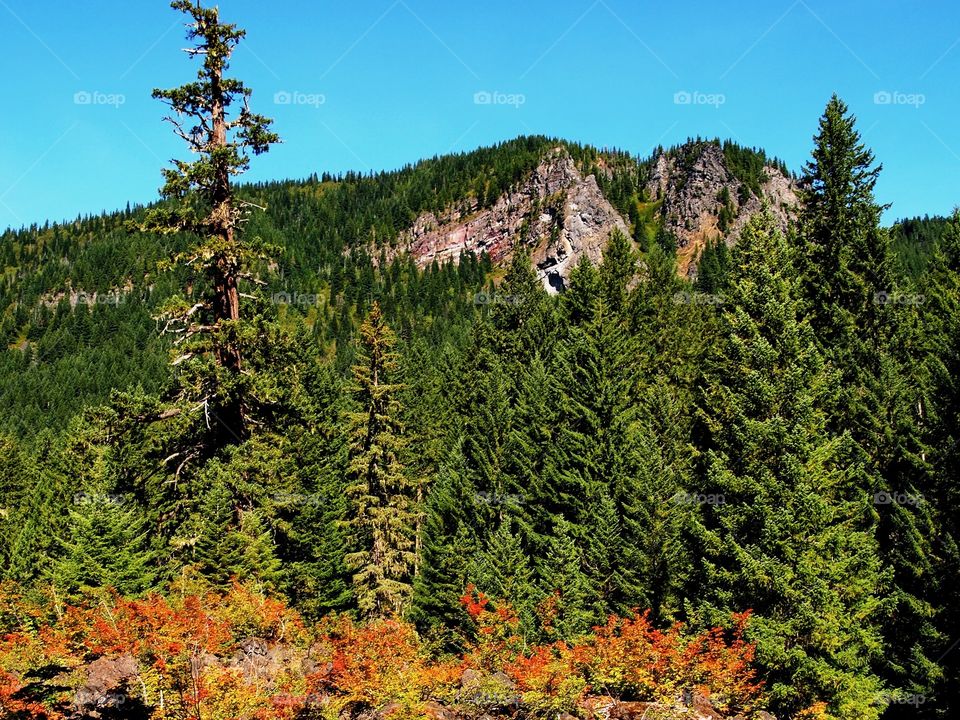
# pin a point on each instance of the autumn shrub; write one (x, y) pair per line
(548, 680)
(497, 640)
(374, 665)
(191, 652)
(630, 659)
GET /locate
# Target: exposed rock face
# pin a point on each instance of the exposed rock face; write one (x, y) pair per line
(558, 213)
(562, 215)
(691, 201)
(105, 691)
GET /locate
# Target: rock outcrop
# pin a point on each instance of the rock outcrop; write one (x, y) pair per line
(691, 197)
(558, 213)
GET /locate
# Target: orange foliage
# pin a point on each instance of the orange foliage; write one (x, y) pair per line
(630, 658)
(189, 650)
(12, 705)
(497, 626)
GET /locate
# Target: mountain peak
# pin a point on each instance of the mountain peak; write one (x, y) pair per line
(708, 191)
(557, 212)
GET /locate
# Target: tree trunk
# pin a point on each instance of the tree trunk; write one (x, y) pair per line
(226, 301)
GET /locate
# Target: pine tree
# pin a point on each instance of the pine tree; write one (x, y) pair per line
(316, 578)
(449, 540)
(565, 579)
(617, 271)
(108, 545)
(940, 329)
(781, 527)
(233, 541)
(11, 466)
(525, 493)
(502, 570)
(38, 518)
(206, 205)
(522, 316)
(383, 512)
(863, 329)
(595, 455)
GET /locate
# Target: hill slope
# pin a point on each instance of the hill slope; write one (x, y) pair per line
(559, 199)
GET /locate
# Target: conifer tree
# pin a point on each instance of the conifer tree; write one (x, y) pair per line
(782, 528)
(383, 513)
(108, 545)
(204, 203)
(863, 328)
(502, 570)
(11, 466)
(522, 318)
(593, 470)
(565, 579)
(316, 577)
(525, 493)
(617, 271)
(449, 540)
(38, 519)
(940, 328)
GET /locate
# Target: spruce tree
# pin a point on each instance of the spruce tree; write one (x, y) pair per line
(593, 471)
(863, 328)
(449, 540)
(782, 528)
(38, 519)
(316, 578)
(107, 545)
(382, 512)
(940, 329)
(502, 570)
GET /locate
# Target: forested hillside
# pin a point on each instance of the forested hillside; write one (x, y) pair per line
(255, 462)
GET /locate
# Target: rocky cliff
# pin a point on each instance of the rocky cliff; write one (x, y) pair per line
(695, 183)
(558, 213)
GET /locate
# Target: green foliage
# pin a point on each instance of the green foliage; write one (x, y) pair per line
(865, 321)
(553, 451)
(382, 512)
(781, 523)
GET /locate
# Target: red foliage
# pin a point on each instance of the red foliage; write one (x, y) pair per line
(630, 658)
(188, 650)
(11, 705)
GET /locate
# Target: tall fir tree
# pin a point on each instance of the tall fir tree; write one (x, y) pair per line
(206, 205)
(449, 540)
(863, 329)
(782, 529)
(383, 513)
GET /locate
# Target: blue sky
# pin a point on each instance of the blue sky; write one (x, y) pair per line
(377, 84)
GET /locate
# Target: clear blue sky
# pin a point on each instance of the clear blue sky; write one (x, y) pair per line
(398, 79)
